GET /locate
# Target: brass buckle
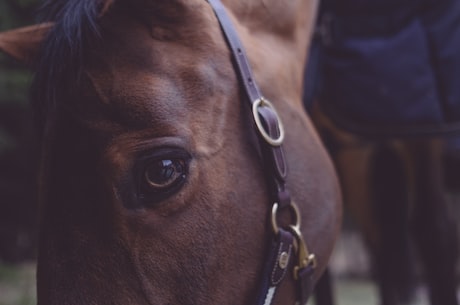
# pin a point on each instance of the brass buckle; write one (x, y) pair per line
(262, 102)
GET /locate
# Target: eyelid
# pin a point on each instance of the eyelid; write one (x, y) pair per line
(166, 153)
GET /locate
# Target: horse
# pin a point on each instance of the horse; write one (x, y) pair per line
(152, 188)
(394, 190)
(386, 96)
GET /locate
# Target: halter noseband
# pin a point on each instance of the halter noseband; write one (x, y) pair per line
(287, 243)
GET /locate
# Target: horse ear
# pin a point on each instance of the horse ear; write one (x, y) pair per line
(24, 43)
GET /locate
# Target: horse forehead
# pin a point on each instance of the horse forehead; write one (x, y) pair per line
(162, 76)
(166, 50)
(161, 87)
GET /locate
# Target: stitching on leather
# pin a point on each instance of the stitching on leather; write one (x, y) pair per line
(276, 282)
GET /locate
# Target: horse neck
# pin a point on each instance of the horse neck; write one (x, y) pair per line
(284, 27)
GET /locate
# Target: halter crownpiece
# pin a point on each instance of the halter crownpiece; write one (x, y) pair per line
(287, 241)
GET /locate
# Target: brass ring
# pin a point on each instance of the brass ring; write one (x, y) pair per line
(262, 102)
(274, 220)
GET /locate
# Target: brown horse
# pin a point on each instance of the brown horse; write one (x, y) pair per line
(394, 189)
(151, 188)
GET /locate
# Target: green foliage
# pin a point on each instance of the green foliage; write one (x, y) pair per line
(17, 151)
(14, 78)
(16, 13)
(17, 285)
(14, 84)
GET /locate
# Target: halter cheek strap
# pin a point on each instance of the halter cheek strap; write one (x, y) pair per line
(288, 250)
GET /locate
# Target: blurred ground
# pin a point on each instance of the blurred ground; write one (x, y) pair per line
(17, 284)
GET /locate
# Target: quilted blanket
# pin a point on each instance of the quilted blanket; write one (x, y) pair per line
(391, 67)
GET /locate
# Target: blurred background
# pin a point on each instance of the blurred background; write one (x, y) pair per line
(18, 229)
(350, 265)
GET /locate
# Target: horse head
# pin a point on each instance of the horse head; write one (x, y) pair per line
(151, 188)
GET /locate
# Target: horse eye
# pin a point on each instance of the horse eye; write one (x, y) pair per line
(159, 174)
(165, 173)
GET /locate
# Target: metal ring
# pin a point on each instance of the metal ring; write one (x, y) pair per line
(296, 211)
(262, 102)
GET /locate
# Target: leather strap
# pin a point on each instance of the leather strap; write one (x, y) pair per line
(280, 256)
(237, 49)
(279, 261)
(270, 119)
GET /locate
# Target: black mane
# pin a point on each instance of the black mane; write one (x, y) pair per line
(61, 57)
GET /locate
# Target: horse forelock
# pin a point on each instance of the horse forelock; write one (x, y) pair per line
(60, 62)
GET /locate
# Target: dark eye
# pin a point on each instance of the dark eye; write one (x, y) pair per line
(165, 173)
(160, 174)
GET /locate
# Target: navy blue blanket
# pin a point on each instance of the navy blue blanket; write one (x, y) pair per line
(391, 67)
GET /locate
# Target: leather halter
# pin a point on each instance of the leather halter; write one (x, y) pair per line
(287, 242)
